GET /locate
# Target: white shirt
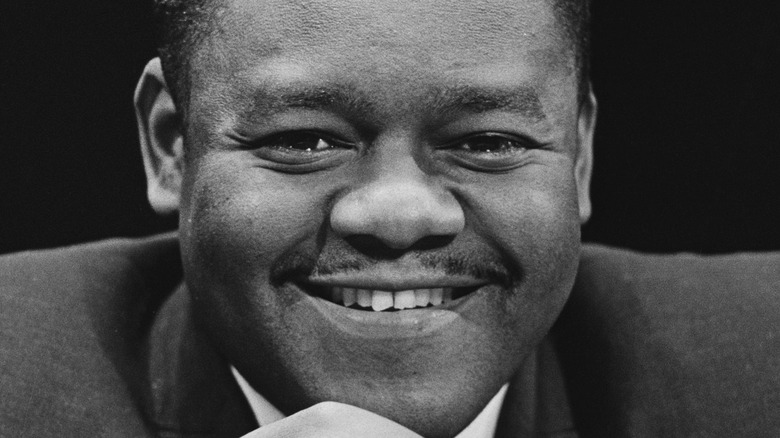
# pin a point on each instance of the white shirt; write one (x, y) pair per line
(484, 426)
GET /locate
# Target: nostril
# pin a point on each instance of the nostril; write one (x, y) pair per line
(374, 247)
(398, 215)
(433, 242)
(377, 249)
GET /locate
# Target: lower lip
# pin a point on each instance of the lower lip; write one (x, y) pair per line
(409, 323)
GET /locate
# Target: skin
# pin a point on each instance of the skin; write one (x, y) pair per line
(399, 102)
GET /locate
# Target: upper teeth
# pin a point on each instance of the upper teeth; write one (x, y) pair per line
(379, 300)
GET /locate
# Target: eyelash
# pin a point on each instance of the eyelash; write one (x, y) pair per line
(307, 151)
(498, 139)
(286, 141)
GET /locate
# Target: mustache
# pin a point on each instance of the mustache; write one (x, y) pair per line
(299, 264)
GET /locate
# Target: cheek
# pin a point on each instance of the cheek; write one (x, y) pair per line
(547, 240)
(238, 220)
(530, 211)
(534, 221)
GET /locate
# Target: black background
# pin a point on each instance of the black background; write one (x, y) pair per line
(687, 145)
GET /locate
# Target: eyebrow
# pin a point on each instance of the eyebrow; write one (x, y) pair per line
(275, 100)
(443, 100)
(522, 100)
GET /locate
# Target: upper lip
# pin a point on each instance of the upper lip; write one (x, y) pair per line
(394, 280)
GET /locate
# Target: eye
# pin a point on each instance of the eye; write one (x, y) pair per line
(497, 144)
(300, 142)
(491, 152)
(298, 151)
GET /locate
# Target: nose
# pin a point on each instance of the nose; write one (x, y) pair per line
(399, 208)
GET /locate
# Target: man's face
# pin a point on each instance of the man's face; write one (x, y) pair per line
(406, 149)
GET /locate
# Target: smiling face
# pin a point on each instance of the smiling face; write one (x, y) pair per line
(380, 201)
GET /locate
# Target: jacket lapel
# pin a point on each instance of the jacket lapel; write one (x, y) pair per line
(536, 404)
(192, 391)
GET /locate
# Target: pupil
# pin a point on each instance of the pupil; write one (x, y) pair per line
(307, 143)
(487, 145)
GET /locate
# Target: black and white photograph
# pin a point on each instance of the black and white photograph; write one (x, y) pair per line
(411, 218)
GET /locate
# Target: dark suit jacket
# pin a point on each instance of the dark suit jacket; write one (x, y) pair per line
(97, 340)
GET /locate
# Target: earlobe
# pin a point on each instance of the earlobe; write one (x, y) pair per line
(160, 134)
(586, 126)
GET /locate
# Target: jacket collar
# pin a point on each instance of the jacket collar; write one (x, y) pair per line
(191, 389)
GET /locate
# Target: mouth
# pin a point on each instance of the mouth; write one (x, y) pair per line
(393, 304)
(378, 300)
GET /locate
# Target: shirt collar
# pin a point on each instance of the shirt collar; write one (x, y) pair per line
(484, 426)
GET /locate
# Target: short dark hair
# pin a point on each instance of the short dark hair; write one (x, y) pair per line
(182, 24)
(574, 17)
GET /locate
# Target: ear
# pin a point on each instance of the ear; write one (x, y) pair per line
(162, 143)
(586, 125)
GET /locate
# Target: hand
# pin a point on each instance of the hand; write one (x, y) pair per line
(333, 420)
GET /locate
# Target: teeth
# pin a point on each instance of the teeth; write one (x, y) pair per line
(437, 296)
(379, 300)
(422, 297)
(350, 296)
(404, 300)
(364, 298)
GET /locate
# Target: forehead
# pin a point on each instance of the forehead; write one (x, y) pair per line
(392, 50)
(442, 33)
(408, 24)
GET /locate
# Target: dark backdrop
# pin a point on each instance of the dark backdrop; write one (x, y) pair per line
(687, 146)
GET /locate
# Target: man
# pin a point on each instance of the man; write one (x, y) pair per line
(379, 209)
(325, 153)
(322, 154)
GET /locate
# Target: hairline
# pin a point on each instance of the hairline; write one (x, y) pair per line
(197, 20)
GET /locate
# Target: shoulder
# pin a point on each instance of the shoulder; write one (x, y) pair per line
(694, 300)
(675, 344)
(86, 262)
(603, 265)
(69, 318)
